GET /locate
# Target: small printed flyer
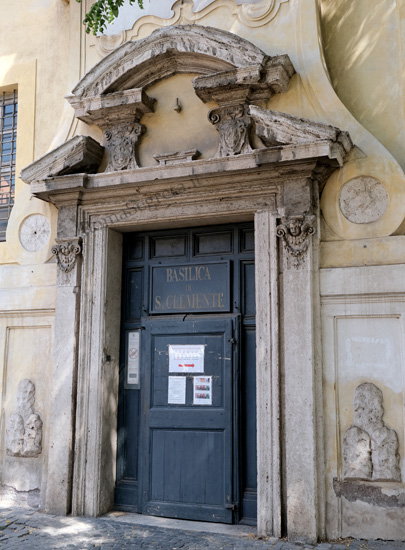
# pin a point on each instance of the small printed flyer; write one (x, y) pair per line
(186, 358)
(202, 390)
(177, 390)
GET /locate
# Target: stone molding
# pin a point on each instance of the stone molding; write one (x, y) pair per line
(177, 158)
(275, 128)
(170, 50)
(254, 84)
(67, 251)
(79, 154)
(106, 110)
(225, 173)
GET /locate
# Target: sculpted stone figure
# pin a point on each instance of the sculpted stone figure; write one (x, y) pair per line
(370, 449)
(24, 427)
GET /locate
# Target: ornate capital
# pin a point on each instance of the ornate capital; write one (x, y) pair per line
(295, 232)
(120, 142)
(66, 251)
(233, 125)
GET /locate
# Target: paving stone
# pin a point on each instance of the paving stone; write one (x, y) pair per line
(23, 529)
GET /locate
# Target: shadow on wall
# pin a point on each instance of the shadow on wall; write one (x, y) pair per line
(362, 47)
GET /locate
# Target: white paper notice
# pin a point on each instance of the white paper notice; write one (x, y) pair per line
(133, 357)
(187, 358)
(177, 390)
(202, 390)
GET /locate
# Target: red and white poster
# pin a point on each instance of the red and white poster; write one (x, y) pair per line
(186, 358)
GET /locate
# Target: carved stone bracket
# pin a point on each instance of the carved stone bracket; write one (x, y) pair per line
(233, 125)
(295, 232)
(118, 115)
(234, 91)
(66, 251)
(120, 142)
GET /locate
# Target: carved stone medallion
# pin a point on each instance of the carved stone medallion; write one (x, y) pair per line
(34, 232)
(24, 426)
(363, 200)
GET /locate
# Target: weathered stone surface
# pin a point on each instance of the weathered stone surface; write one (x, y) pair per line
(109, 109)
(79, 154)
(177, 158)
(118, 115)
(363, 199)
(66, 251)
(256, 83)
(370, 449)
(120, 142)
(372, 494)
(295, 232)
(170, 50)
(24, 427)
(233, 91)
(233, 126)
(276, 128)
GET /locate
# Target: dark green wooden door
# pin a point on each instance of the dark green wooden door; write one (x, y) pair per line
(185, 451)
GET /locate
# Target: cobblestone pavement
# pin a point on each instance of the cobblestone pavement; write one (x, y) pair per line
(27, 529)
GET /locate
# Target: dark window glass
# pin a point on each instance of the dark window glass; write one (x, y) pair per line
(8, 137)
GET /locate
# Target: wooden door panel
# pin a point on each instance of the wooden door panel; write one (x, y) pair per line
(188, 471)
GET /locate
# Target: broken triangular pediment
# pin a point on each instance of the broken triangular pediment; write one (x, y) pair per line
(79, 154)
(275, 128)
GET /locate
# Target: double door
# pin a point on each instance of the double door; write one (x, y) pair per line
(186, 429)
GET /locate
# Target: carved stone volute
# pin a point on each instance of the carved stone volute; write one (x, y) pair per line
(120, 142)
(118, 115)
(295, 232)
(233, 125)
(235, 91)
(67, 251)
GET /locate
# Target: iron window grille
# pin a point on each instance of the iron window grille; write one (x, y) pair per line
(8, 142)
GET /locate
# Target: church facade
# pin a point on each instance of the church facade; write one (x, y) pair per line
(202, 264)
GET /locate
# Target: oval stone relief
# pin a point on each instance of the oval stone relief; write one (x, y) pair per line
(363, 200)
(34, 232)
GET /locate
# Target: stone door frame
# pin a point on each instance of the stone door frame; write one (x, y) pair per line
(90, 225)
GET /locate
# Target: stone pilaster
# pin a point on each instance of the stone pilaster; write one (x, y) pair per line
(298, 309)
(62, 418)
